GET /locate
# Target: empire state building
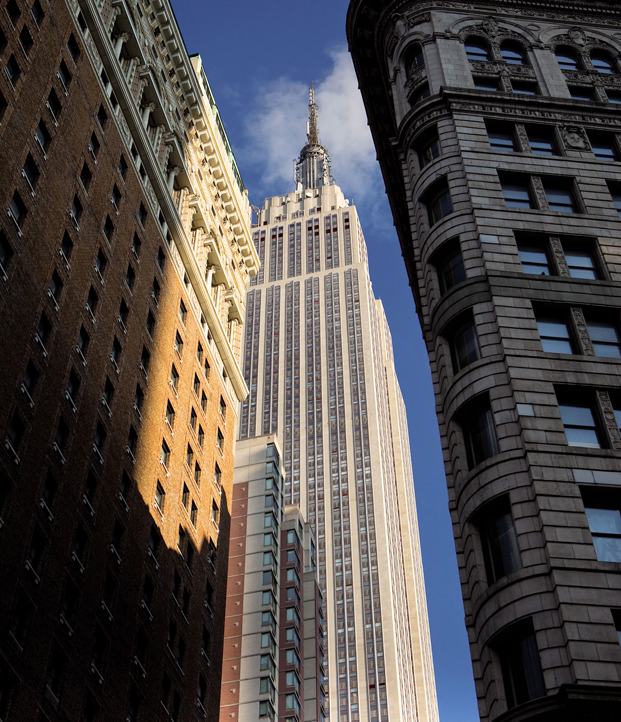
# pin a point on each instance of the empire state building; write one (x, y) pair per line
(319, 364)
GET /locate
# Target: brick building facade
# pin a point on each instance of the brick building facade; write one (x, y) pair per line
(497, 127)
(125, 256)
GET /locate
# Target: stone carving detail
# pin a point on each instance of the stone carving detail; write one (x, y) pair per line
(559, 254)
(521, 71)
(522, 138)
(583, 332)
(416, 78)
(576, 35)
(574, 136)
(490, 26)
(609, 418)
(542, 200)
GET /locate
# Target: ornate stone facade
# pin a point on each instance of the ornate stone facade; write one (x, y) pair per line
(503, 181)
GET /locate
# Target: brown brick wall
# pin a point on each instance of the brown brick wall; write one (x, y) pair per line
(23, 298)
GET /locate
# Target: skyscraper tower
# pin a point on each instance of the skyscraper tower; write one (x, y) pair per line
(497, 128)
(318, 362)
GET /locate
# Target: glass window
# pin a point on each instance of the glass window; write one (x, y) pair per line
(603, 148)
(477, 51)
(567, 59)
(292, 537)
(430, 150)
(580, 426)
(554, 334)
(291, 680)
(415, 60)
(616, 615)
(464, 345)
(602, 63)
(605, 526)
(560, 199)
(491, 84)
(502, 139)
(541, 142)
(517, 195)
(292, 595)
(613, 97)
(520, 663)
(420, 94)
(479, 433)
(439, 206)
(513, 54)
(605, 339)
(581, 93)
(581, 264)
(499, 541)
(292, 657)
(523, 87)
(534, 260)
(451, 270)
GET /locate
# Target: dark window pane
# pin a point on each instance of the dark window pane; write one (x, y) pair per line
(567, 60)
(479, 435)
(512, 55)
(560, 199)
(554, 334)
(465, 346)
(500, 547)
(580, 426)
(521, 667)
(486, 84)
(516, 195)
(477, 51)
(451, 270)
(534, 260)
(581, 264)
(502, 141)
(605, 339)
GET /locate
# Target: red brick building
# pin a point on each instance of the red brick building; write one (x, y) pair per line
(124, 259)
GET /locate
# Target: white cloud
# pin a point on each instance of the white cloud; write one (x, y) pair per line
(276, 132)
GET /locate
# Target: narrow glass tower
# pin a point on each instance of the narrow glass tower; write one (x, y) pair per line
(318, 362)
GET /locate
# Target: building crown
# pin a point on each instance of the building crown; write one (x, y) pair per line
(312, 169)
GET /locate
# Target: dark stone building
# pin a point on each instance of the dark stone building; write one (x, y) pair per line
(124, 258)
(498, 131)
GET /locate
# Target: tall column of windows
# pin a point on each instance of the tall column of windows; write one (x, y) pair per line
(312, 246)
(259, 244)
(314, 422)
(364, 489)
(341, 534)
(273, 253)
(292, 392)
(331, 233)
(251, 364)
(347, 239)
(271, 360)
(294, 267)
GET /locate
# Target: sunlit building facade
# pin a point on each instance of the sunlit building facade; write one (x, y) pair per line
(318, 362)
(125, 255)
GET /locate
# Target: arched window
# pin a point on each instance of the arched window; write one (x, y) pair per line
(567, 59)
(603, 63)
(477, 50)
(415, 60)
(513, 54)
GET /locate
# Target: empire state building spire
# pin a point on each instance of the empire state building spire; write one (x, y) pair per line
(312, 169)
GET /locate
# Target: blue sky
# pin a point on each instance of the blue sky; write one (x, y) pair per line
(260, 58)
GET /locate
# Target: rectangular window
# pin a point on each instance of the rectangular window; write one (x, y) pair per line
(501, 137)
(449, 264)
(464, 344)
(581, 93)
(523, 87)
(560, 197)
(603, 147)
(499, 540)
(42, 136)
(605, 339)
(541, 141)
(554, 334)
(430, 150)
(520, 663)
(603, 510)
(479, 432)
(580, 263)
(439, 205)
(490, 84)
(578, 418)
(516, 193)
(12, 70)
